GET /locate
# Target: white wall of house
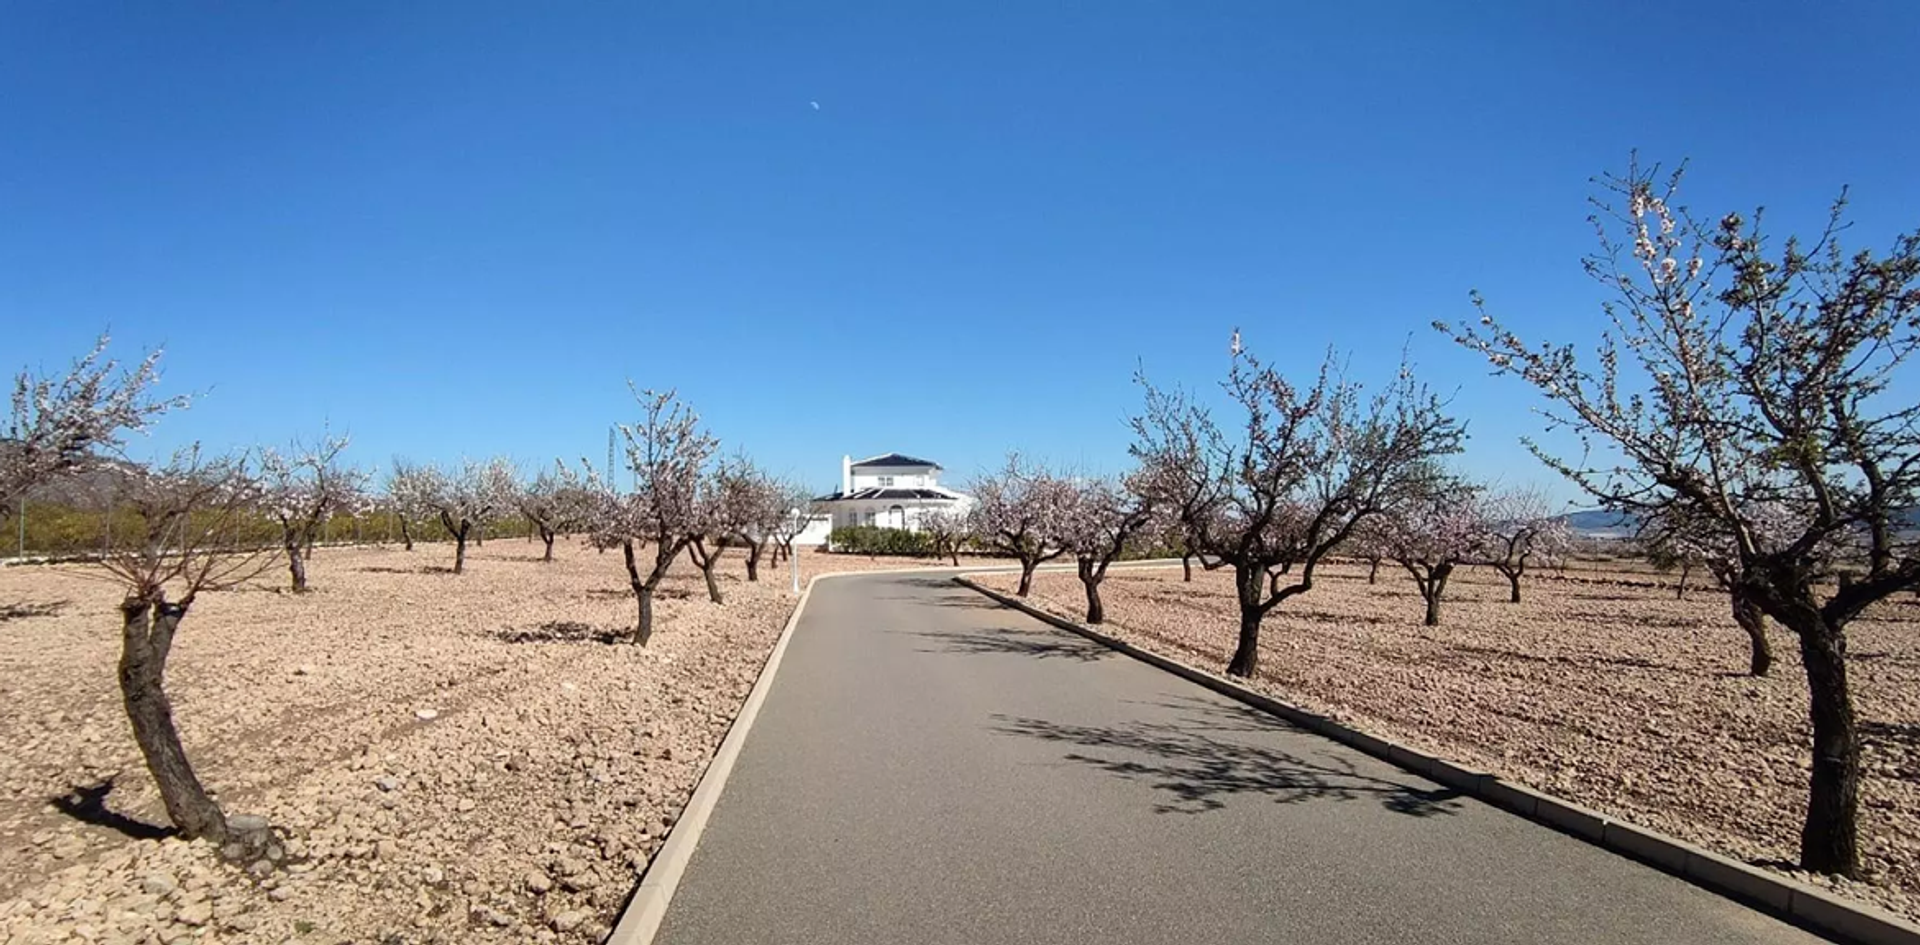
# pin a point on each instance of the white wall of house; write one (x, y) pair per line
(895, 477)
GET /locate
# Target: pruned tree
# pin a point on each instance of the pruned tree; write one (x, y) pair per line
(1303, 469)
(668, 454)
(58, 424)
(469, 498)
(1741, 379)
(1021, 511)
(796, 501)
(1104, 519)
(735, 506)
(191, 528)
(553, 501)
(1429, 533)
(303, 488)
(946, 530)
(1520, 529)
(409, 496)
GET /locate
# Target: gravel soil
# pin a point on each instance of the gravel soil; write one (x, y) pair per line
(1611, 693)
(448, 758)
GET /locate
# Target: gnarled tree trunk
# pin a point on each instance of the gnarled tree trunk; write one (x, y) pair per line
(406, 533)
(1248, 582)
(1186, 567)
(1829, 840)
(296, 559)
(707, 562)
(1090, 578)
(1433, 589)
(1513, 582)
(1373, 570)
(1748, 615)
(147, 629)
(546, 537)
(754, 551)
(1026, 577)
(643, 591)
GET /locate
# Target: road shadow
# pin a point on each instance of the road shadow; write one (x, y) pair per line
(1042, 645)
(88, 804)
(25, 609)
(1196, 765)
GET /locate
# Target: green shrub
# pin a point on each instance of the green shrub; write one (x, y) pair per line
(870, 540)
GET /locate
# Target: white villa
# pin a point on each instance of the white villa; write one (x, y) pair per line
(889, 491)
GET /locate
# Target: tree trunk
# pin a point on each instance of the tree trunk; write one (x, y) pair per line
(1513, 582)
(754, 550)
(1026, 577)
(406, 533)
(1829, 842)
(1433, 589)
(1680, 593)
(953, 551)
(546, 535)
(713, 584)
(1748, 615)
(642, 631)
(1246, 655)
(1186, 568)
(1090, 579)
(460, 551)
(1373, 570)
(296, 563)
(147, 629)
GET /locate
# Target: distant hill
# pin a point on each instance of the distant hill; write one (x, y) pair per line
(1600, 523)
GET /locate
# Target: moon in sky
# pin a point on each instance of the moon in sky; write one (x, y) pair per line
(816, 105)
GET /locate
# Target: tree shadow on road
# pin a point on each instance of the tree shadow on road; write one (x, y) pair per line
(1197, 768)
(1040, 644)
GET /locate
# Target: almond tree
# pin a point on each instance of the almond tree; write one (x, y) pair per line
(472, 496)
(301, 490)
(1303, 469)
(191, 531)
(409, 494)
(1741, 379)
(56, 425)
(946, 531)
(1674, 539)
(1021, 511)
(733, 507)
(668, 454)
(1431, 533)
(1103, 520)
(1520, 528)
(796, 503)
(553, 501)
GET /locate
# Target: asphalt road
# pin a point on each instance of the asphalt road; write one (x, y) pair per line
(930, 767)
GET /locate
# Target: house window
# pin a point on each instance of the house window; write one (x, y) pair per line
(886, 482)
(867, 518)
(897, 517)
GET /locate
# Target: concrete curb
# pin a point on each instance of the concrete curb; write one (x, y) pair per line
(1807, 905)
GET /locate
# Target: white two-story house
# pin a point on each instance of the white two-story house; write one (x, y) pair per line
(889, 491)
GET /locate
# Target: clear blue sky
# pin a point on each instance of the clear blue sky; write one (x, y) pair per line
(459, 229)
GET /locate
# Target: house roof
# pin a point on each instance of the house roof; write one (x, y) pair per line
(895, 459)
(930, 494)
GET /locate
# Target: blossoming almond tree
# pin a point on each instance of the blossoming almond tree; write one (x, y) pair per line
(1102, 521)
(1302, 470)
(796, 504)
(1430, 533)
(58, 424)
(553, 501)
(473, 495)
(409, 496)
(301, 490)
(946, 531)
(1740, 377)
(736, 504)
(1519, 529)
(668, 454)
(192, 529)
(1022, 511)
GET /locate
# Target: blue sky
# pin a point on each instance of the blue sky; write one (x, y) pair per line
(459, 229)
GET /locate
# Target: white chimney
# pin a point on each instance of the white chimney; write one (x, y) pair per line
(846, 474)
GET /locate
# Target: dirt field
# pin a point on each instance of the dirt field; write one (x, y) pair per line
(453, 758)
(1608, 693)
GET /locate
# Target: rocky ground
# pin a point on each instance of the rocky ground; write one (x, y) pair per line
(1607, 692)
(465, 758)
